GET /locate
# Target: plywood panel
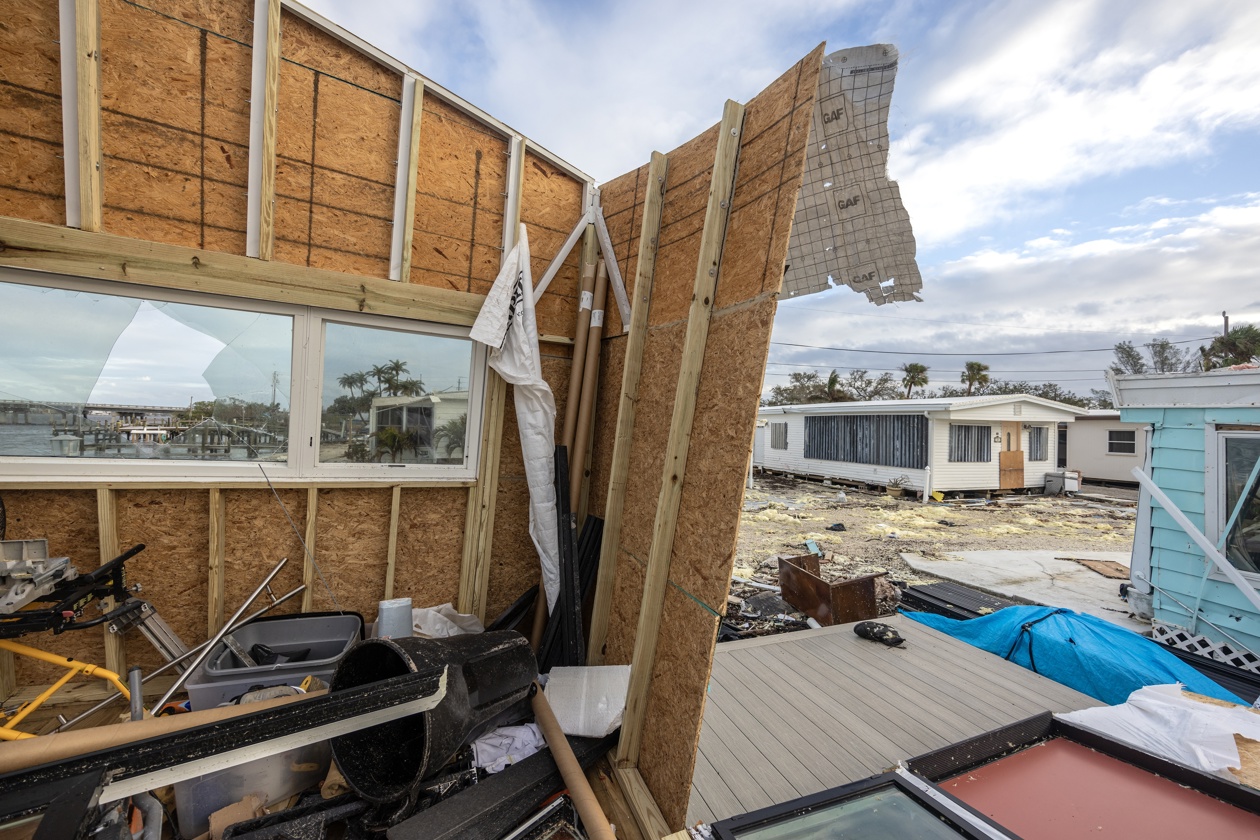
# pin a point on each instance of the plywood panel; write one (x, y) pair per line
(32, 183)
(430, 545)
(259, 536)
(304, 44)
(174, 525)
(351, 545)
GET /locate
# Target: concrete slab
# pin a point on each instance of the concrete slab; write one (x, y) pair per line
(1039, 577)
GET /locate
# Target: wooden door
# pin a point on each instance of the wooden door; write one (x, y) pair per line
(1011, 457)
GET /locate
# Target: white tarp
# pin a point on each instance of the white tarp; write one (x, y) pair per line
(1161, 721)
(507, 326)
(850, 227)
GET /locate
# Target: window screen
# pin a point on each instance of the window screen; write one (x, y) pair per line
(778, 435)
(880, 439)
(1121, 442)
(970, 443)
(1037, 450)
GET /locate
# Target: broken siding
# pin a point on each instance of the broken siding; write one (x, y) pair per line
(1179, 468)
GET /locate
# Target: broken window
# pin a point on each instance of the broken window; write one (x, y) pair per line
(1241, 503)
(778, 436)
(90, 375)
(1121, 442)
(1037, 439)
(95, 377)
(970, 444)
(890, 440)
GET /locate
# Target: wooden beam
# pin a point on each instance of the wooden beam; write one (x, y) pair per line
(474, 576)
(218, 556)
(408, 184)
(619, 474)
(657, 576)
(117, 483)
(87, 37)
(62, 250)
(391, 554)
(647, 814)
(308, 560)
(8, 675)
(266, 198)
(107, 528)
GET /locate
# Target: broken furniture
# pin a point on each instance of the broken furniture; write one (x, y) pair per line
(827, 603)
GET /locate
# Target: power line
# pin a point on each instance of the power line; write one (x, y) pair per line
(929, 353)
(1098, 378)
(898, 370)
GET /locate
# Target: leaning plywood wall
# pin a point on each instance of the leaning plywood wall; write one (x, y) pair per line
(770, 167)
(175, 110)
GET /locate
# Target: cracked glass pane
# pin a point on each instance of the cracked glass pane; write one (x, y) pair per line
(92, 375)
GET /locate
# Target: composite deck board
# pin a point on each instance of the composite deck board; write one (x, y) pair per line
(807, 711)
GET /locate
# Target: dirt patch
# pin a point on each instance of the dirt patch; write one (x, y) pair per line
(861, 532)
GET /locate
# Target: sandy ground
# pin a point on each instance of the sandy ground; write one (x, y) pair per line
(780, 514)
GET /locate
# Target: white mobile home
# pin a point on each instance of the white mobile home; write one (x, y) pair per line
(958, 443)
(1102, 447)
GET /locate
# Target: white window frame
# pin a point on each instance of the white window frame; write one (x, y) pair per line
(950, 452)
(776, 427)
(304, 404)
(1132, 454)
(1215, 513)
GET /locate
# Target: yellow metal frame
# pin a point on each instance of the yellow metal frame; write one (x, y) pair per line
(8, 731)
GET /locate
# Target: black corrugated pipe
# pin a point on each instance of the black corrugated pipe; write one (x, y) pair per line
(487, 674)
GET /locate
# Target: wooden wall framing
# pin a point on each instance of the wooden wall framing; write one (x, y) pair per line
(181, 218)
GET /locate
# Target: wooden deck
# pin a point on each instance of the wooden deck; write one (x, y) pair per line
(799, 713)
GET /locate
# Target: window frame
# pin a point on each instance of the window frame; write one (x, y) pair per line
(1215, 512)
(1111, 442)
(986, 439)
(777, 428)
(306, 374)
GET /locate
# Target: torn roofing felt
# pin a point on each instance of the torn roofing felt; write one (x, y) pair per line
(850, 226)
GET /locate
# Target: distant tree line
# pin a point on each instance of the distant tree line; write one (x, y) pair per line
(1240, 346)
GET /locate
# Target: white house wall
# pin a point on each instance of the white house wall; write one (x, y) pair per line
(793, 460)
(1087, 449)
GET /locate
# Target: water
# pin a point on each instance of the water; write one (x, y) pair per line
(36, 441)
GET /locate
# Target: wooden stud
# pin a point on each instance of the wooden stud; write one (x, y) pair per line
(408, 220)
(308, 560)
(619, 475)
(218, 557)
(107, 527)
(391, 553)
(657, 576)
(60, 250)
(644, 808)
(474, 576)
(271, 108)
(87, 36)
(8, 675)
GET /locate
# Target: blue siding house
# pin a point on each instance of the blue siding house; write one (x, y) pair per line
(1202, 444)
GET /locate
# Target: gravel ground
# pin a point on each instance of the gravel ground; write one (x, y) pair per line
(781, 513)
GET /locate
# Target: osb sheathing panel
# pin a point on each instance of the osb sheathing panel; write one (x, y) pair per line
(257, 537)
(175, 122)
(32, 180)
(67, 519)
(767, 184)
(337, 146)
(430, 545)
(612, 359)
(551, 204)
(684, 661)
(174, 526)
(622, 200)
(305, 44)
(230, 18)
(351, 547)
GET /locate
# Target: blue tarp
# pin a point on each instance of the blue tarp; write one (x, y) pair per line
(1093, 656)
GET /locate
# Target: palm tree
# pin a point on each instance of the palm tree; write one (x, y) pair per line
(351, 381)
(914, 376)
(451, 434)
(832, 390)
(382, 374)
(976, 374)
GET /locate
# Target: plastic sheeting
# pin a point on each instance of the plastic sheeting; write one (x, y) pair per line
(507, 326)
(1161, 721)
(588, 701)
(1086, 653)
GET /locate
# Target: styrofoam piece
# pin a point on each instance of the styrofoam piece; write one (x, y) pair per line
(588, 701)
(393, 619)
(443, 621)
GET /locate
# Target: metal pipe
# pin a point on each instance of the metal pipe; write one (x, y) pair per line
(223, 631)
(182, 657)
(134, 683)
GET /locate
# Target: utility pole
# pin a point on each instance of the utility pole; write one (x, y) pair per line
(1225, 315)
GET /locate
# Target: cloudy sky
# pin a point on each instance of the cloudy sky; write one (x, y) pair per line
(1078, 172)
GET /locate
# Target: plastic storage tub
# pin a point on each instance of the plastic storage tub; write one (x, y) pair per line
(223, 676)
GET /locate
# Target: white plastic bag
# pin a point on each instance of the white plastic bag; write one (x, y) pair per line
(443, 622)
